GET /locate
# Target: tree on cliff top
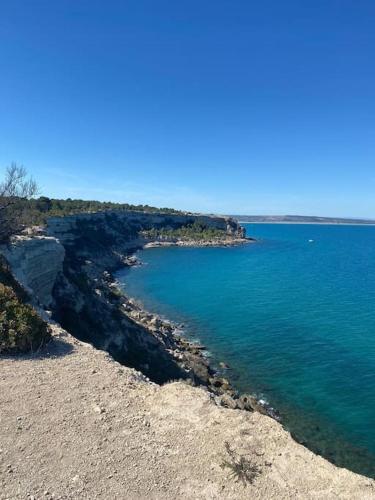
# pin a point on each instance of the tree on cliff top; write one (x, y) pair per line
(16, 188)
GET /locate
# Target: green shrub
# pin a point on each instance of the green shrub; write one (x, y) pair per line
(21, 329)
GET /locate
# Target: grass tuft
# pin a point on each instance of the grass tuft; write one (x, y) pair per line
(241, 467)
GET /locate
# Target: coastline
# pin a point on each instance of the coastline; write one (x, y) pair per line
(190, 355)
(226, 242)
(218, 382)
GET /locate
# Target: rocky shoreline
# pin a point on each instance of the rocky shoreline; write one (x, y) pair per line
(178, 242)
(189, 355)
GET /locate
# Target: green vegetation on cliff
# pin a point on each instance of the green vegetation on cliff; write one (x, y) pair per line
(32, 212)
(19, 208)
(21, 328)
(55, 207)
(194, 231)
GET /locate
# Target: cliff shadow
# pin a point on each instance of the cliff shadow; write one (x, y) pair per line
(128, 342)
(55, 348)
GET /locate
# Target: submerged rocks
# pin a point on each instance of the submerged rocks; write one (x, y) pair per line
(224, 366)
(131, 260)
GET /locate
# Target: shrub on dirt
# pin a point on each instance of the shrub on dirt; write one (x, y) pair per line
(21, 329)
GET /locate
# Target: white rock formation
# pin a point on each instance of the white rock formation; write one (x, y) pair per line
(35, 262)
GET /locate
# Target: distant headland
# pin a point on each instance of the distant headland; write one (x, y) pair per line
(300, 219)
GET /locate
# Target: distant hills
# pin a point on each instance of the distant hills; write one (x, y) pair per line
(300, 219)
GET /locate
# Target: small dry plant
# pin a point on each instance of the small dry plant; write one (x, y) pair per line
(241, 467)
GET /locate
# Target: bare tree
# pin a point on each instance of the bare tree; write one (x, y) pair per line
(16, 185)
(15, 189)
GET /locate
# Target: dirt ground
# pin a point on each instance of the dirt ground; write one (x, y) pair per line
(74, 424)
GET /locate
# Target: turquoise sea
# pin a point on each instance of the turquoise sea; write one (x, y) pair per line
(293, 315)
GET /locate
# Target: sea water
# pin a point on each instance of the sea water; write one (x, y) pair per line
(292, 315)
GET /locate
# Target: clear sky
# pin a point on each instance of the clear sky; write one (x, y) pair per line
(209, 105)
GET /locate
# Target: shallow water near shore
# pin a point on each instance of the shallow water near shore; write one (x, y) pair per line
(293, 315)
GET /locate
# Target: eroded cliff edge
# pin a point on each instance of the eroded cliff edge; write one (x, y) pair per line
(68, 269)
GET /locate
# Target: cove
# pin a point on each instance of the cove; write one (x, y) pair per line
(293, 316)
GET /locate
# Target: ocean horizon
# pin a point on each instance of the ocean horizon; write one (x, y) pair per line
(292, 315)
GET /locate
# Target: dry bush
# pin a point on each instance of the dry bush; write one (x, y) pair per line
(241, 467)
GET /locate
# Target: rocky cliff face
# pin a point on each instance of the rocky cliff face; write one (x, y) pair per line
(86, 305)
(123, 226)
(36, 262)
(69, 270)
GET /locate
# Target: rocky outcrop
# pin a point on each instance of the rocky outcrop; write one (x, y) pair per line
(36, 263)
(124, 226)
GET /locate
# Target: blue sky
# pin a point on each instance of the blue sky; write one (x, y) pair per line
(216, 106)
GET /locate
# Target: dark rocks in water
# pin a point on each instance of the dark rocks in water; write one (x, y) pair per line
(132, 260)
(199, 347)
(200, 369)
(107, 277)
(220, 383)
(224, 366)
(246, 402)
(266, 409)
